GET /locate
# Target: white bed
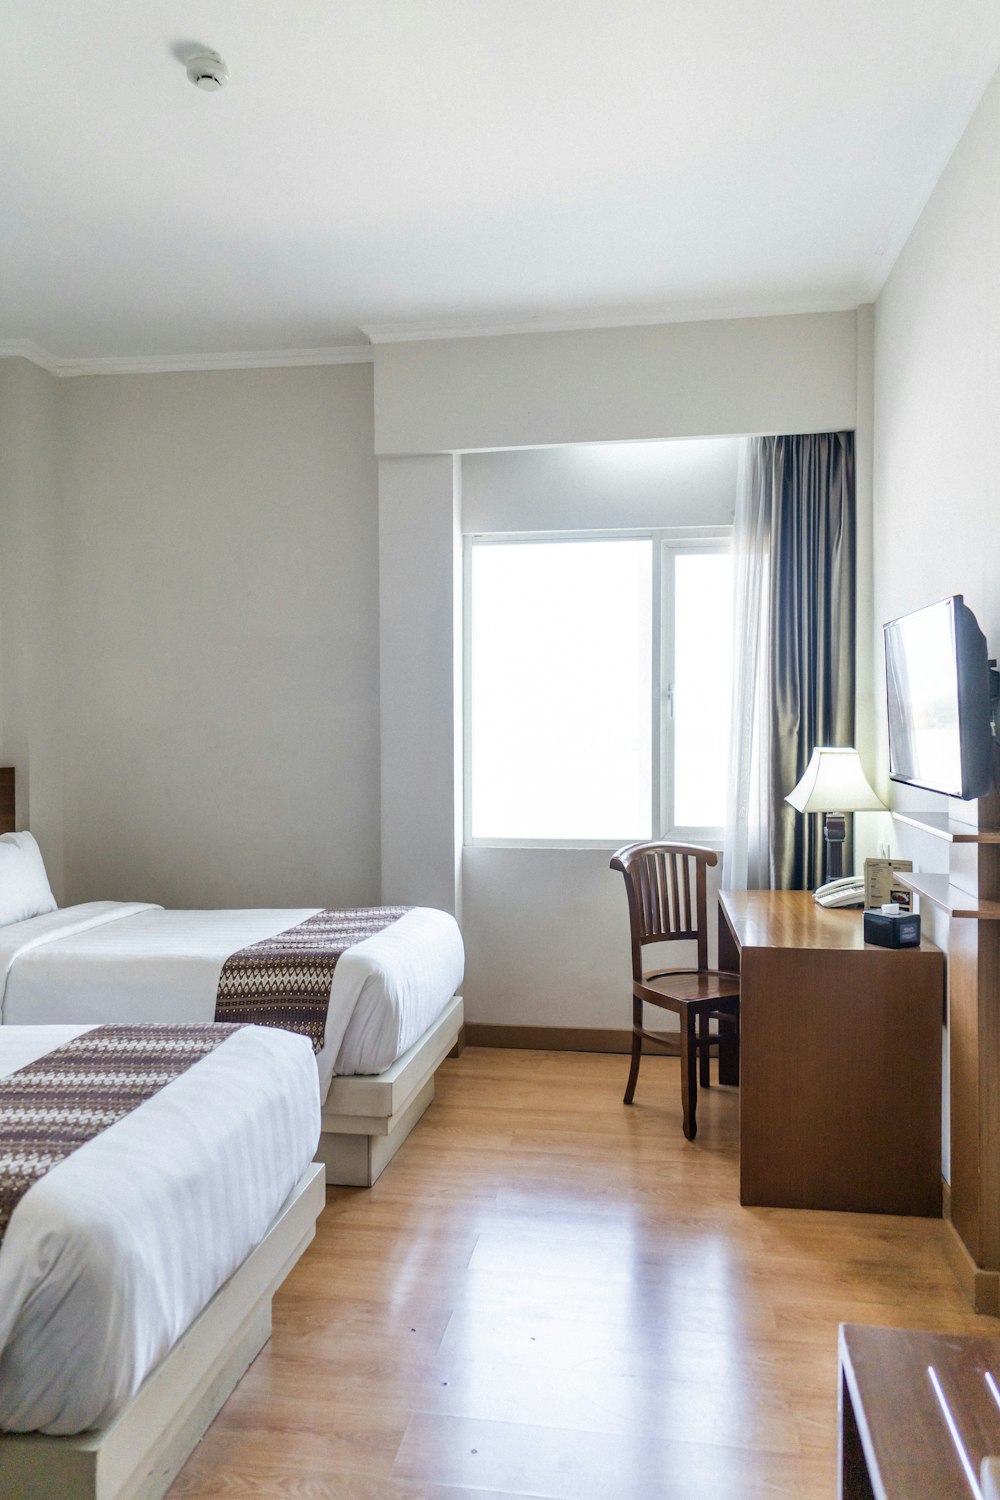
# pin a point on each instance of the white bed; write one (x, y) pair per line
(393, 1011)
(393, 1014)
(187, 1211)
(132, 961)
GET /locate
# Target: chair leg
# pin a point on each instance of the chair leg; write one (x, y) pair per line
(704, 1056)
(729, 1050)
(689, 1077)
(633, 1076)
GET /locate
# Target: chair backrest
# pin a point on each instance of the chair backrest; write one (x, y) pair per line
(666, 895)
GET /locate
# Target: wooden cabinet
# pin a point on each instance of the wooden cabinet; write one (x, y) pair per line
(840, 1059)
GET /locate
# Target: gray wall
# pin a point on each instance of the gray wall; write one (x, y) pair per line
(221, 594)
(32, 661)
(190, 632)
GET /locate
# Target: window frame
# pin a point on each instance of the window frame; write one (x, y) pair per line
(667, 542)
(669, 549)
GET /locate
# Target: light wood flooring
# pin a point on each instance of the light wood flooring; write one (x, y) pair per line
(550, 1295)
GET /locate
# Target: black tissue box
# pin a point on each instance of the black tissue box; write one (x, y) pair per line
(889, 930)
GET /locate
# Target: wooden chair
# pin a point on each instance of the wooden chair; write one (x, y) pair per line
(666, 903)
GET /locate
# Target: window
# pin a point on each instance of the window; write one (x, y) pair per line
(697, 675)
(597, 687)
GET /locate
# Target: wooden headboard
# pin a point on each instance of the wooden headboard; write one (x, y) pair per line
(6, 799)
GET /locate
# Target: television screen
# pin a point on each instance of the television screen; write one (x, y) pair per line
(938, 691)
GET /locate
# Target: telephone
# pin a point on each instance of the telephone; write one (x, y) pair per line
(847, 892)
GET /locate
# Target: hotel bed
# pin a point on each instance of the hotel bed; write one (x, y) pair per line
(393, 1012)
(136, 1274)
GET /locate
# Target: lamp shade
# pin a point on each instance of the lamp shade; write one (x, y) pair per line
(833, 781)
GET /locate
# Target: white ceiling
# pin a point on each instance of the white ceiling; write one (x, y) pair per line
(382, 168)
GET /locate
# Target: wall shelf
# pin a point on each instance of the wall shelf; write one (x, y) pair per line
(942, 826)
(970, 895)
(955, 901)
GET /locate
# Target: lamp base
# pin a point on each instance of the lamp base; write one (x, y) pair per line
(834, 832)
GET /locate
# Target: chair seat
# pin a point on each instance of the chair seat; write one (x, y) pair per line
(688, 987)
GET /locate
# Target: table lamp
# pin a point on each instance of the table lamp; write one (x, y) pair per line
(834, 783)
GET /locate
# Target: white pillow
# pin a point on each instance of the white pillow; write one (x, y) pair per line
(24, 885)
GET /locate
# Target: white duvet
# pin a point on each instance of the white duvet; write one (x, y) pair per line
(120, 961)
(113, 1253)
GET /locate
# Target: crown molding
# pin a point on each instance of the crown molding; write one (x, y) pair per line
(159, 364)
(25, 349)
(622, 317)
(442, 328)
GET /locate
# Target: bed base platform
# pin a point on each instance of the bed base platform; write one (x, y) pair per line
(140, 1454)
(367, 1118)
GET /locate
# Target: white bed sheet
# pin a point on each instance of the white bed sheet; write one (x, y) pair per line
(110, 1256)
(117, 961)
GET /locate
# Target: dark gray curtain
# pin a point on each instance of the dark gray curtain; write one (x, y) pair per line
(812, 631)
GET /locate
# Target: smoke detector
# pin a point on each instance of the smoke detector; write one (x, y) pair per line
(207, 71)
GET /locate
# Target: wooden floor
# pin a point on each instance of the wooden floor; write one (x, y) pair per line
(550, 1295)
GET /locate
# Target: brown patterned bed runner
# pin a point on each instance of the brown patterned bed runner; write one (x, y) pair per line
(285, 980)
(63, 1100)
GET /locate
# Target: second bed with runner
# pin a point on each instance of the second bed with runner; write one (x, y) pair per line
(392, 1009)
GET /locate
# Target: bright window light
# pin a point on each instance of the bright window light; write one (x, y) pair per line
(560, 677)
(571, 641)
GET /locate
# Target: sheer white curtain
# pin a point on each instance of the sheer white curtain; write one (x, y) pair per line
(746, 854)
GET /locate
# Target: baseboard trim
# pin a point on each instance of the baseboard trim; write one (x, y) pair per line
(980, 1288)
(548, 1038)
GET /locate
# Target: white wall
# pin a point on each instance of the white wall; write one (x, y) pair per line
(420, 637)
(613, 384)
(601, 485)
(937, 394)
(31, 657)
(220, 590)
(687, 380)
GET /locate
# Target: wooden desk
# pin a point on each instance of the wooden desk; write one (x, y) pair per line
(840, 1058)
(894, 1436)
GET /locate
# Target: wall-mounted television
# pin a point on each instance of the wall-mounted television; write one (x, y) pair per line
(940, 686)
